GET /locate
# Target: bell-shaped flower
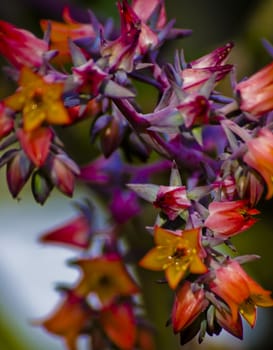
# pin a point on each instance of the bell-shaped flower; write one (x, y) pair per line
(106, 276)
(20, 47)
(256, 92)
(177, 253)
(69, 319)
(259, 156)
(38, 100)
(119, 324)
(188, 305)
(226, 321)
(36, 144)
(172, 200)
(62, 32)
(239, 291)
(229, 218)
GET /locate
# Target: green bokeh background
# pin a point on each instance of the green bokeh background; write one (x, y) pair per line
(213, 23)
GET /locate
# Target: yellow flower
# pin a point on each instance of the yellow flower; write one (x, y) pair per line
(106, 276)
(176, 252)
(38, 100)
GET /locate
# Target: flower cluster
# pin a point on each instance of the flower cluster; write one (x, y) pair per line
(216, 150)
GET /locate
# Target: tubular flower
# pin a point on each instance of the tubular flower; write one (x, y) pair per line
(38, 100)
(259, 156)
(107, 277)
(176, 252)
(20, 47)
(188, 305)
(172, 200)
(227, 219)
(255, 93)
(241, 293)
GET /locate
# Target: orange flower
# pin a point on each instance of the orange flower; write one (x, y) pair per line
(61, 32)
(69, 319)
(259, 156)
(256, 93)
(187, 306)
(176, 252)
(241, 293)
(119, 324)
(106, 276)
(38, 100)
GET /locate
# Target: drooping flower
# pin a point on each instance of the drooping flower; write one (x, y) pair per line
(38, 100)
(20, 47)
(229, 218)
(177, 253)
(36, 144)
(106, 276)
(256, 92)
(172, 200)
(241, 293)
(259, 156)
(69, 319)
(188, 305)
(117, 317)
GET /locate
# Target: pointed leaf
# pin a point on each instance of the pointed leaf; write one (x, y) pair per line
(40, 186)
(145, 191)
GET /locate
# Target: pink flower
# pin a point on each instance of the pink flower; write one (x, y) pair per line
(20, 47)
(259, 156)
(172, 200)
(227, 219)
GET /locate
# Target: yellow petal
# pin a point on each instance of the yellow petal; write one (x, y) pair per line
(33, 118)
(249, 312)
(157, 259)
(165, 237)
(197, 266)
(175, 273)
(28, 77)
(57, 114)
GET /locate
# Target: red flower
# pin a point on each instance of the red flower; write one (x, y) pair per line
(75, 233)
(227, 219)
(20, 47)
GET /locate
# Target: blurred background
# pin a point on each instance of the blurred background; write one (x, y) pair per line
(29, 271)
